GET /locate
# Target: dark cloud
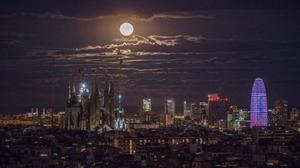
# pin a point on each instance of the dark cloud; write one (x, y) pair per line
(83, 9)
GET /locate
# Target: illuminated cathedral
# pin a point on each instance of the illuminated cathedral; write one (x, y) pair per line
(92, 110)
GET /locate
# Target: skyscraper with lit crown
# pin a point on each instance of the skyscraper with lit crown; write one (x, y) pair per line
(259, 107)
(169, 111)
(217, 110)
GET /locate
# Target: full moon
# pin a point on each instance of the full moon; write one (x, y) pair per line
(126, 29)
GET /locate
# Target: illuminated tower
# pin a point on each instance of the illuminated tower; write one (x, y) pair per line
(146, 109)
(169, 111)
(186, 110)
(259, 108)
(146, 105)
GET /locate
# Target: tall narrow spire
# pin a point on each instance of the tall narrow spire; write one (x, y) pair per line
(111, 89)
(73, 87)
(106, 90)
(119, 84)
(69, 92)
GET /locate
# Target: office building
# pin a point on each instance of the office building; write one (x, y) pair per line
(169, 111)
(217, 110)
(259, 113)
(146, 109)
(280, 113)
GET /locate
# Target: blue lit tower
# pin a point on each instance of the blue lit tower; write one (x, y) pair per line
(259, 107)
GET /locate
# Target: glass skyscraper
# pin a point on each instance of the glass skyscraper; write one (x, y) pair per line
(259, 107)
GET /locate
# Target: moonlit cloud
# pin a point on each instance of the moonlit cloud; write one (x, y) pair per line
(172, 15)
(175, 40)
(136, 40)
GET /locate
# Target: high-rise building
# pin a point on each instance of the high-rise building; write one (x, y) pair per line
(295, 115)
(169, 111)
(194, 109)
(233, 118)
(217, 110)
(186, 109)
(146, 109)
(203, 109)
(146, 105)
(244, 118)
(197, 112)
(44, 112)
(259, 108)
(280, 113)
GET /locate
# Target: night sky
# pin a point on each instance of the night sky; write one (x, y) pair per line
(184, 49)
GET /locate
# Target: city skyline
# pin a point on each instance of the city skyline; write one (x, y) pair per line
(185, 51)
(86, 86)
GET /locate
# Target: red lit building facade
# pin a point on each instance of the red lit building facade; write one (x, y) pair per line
(217, 110)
